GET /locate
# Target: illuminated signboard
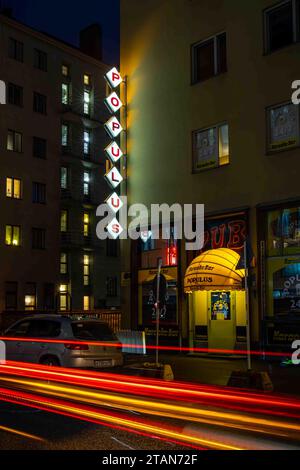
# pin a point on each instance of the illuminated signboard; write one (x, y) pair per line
(113, 78)
(114, 152)
(114, 202)
(114, 177)
(113, 103)
(113, 128)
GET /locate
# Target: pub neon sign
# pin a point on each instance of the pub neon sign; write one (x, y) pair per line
(113, 128)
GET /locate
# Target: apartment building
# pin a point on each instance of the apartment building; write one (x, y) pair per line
(210, 121)
(51, 173)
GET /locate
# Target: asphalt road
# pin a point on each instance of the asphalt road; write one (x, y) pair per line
(62, 433)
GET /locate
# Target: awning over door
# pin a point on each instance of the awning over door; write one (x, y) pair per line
(214, 270)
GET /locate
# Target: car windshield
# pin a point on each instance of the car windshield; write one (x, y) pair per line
(92, 331)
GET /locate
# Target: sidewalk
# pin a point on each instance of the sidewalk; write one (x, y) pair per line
(216, 371)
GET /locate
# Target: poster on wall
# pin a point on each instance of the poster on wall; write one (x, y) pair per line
(284, 127)
(206, 149)
(220, 306)
(286, 290)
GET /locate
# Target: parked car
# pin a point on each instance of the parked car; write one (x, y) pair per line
(65, 354)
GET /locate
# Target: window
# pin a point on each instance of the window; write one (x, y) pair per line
(11, 296)
(15, 94)
(13, 188)
(38, 238)
(209, 58)
(111, 247)
(86, 303)
(40, 60)
(38, 193)
(86, 142)
(44, 329)
(49, 296)
(210, 147)
(65, 135)
(111, 287)
(13, 235)
(281, 25)
(86, 270)
(64, 177)
(65, 70)
(39, 103)
(283, 127)
(30, 297)
(87, 102)
(14, 141)
(64, 221)
(16, 50)
(63, 263)
(87, 79)
(86, 224)
(20, 330)
(86, 183)
(63, 297)
(65, 93)
(39, 147)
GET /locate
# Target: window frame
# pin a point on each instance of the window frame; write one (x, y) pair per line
(197, 44)
(36, 144)
(38, 100)
(13, 227)
(13, 180)
(13, 50)
(14, 135)
(10, 90)
(296, 25)
(269, 151)
(40, 232)
(194, 133)
(37, 62)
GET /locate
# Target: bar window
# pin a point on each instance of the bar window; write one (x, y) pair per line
(39, 147)
(15, 94)
(13, 188)
(210, 148)
(30, 296)
(86, 224)
(65, 135)
(14, 141)
(65, 93)
(13, 235)
(16, 50)
(209, 58)
(64, 177)
(283, 127)
(64, 221)
(86, 270)
(281, 25)
(63, 263)
(40, 60)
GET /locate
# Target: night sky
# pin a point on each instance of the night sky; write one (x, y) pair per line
(65, 18)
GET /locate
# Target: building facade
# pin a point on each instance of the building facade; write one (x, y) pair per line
(211, 121)
(51, 171)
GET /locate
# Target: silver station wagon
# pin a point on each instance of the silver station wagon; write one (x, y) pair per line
(65, 354)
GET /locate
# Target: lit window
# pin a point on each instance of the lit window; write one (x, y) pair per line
(13, 235)
(64, 135)
(65, 93)
(63, 297)
(86, 102)
(30, 302)
(13, 188)
(87, 79)
(64, 221)
(86, 270)
(283, 127)
(63, 263)
(65, 70)
(86, 303)
(86, 224)
(64, 177)
(86, 183)
(210, 147)
(86, 142)
(14, 141)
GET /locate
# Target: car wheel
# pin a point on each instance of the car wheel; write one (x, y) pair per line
(50, 361)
